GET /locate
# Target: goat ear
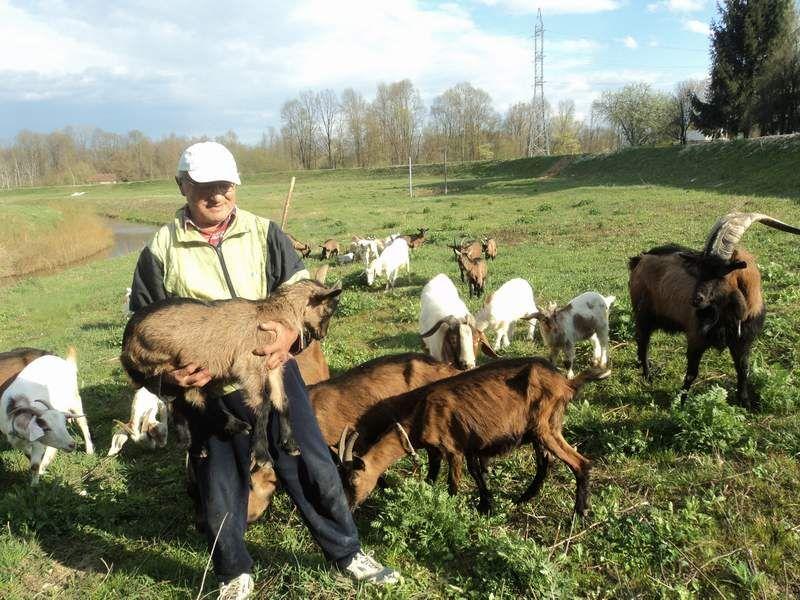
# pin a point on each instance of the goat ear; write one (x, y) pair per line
(36, 429)
(735, 265)
(357, 464)
(539, 316)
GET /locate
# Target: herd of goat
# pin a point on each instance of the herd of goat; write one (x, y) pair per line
(393, 406)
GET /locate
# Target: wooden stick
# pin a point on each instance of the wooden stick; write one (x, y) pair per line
(286, 205)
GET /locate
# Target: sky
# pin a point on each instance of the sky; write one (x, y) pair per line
(203, 68)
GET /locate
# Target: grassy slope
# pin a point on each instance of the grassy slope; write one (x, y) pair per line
(672, 516)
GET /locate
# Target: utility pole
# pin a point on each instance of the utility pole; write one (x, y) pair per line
(538, 140)
(445, 170)
(410, 181)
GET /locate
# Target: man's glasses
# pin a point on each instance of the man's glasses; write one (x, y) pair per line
(212, 189)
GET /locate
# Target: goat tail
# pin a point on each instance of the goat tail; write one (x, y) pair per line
(591, 374)
(609, 300)
(72, 355)
(195, 397)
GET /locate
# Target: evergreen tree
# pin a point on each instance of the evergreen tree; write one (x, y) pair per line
(753, 84)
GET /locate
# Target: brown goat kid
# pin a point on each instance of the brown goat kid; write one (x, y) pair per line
(489, 248)
(415, 240)
(475, 270)
(478, 414)
(221, 336)
(303, 249)
(713, 296)
(330, 248)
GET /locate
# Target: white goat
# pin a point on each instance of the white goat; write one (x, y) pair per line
(585, 317)
(392, 259)
(502, 308)
(35, 407)
(365, 249)
(147, 425)
(446, 325)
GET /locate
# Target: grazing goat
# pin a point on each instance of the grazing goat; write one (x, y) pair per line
(392, 259)
(303, 249)
(346, 258)
(447, 328)
(221, 335)
(511, 302)
(35, 407)
(475, 270)
(585, 317)
(13, 361)
(330, 248)
(415, 240)
(365, 249)
(477, 414)
(713, 296)
(147, 424)
(489, 246)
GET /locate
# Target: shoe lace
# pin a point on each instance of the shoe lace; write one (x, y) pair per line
(365, 561)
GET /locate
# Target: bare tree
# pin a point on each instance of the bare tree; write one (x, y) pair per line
(681, 107)
(329, 112)
(354, 113)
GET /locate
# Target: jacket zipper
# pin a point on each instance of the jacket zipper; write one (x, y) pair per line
(218, 250)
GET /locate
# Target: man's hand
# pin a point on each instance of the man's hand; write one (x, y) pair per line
(189, 376)
(278, 351)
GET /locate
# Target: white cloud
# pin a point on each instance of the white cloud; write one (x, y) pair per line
(677, 5)
(697, 27)
(629, 42)
(554, 6)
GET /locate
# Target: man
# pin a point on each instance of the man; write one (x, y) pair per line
(213, 250)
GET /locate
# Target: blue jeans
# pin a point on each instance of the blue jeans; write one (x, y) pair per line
(311, 479)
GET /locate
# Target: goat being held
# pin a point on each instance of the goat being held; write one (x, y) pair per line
(221, 335)
(713, 296)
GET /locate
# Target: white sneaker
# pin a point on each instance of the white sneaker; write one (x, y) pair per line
(362, 567)
(237, 588)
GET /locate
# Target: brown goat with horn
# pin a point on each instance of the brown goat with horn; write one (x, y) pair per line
(713, 296)
(477, 414)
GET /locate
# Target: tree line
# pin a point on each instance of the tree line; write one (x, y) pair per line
(753, 89)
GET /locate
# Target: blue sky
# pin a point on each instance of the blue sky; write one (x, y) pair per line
(194, 68)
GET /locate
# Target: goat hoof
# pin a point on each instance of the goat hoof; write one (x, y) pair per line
(484, 507)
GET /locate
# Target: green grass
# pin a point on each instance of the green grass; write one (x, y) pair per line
(695, 503)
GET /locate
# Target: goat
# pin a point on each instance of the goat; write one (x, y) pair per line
(447, 328)
(330, 248)
(303, 249)
(511, 302)
(364, 249)
(147, 424)
(13, 361)
(35, 407)
(221, 335)
(312, 364)
(415, 240)
(489, 246)
(472, 248)
(475, 270)
(346, 258)
(392, 259)
(340, 402)
(585, 317)
(713, 296)
(477, 414)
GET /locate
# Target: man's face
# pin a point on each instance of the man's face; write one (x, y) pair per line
(209, 203)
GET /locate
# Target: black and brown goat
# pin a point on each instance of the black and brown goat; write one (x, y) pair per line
(340, 402)
(221, 336)
(489, 246)
(475, 270)
(330, 248)
(303, 249)
(415, 240)
(475, 415)
(713, 296)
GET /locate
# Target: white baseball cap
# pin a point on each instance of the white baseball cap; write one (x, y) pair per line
(209, 161)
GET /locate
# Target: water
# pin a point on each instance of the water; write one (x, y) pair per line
(128, 237)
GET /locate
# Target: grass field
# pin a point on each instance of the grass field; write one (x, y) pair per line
(701, 502)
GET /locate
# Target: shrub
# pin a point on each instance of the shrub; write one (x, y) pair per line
(708, 423)
(777, 388)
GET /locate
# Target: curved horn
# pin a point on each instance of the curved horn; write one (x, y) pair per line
(342, 439)
(438, 324)
(728, 230)
(348, 452)
(124, 426)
